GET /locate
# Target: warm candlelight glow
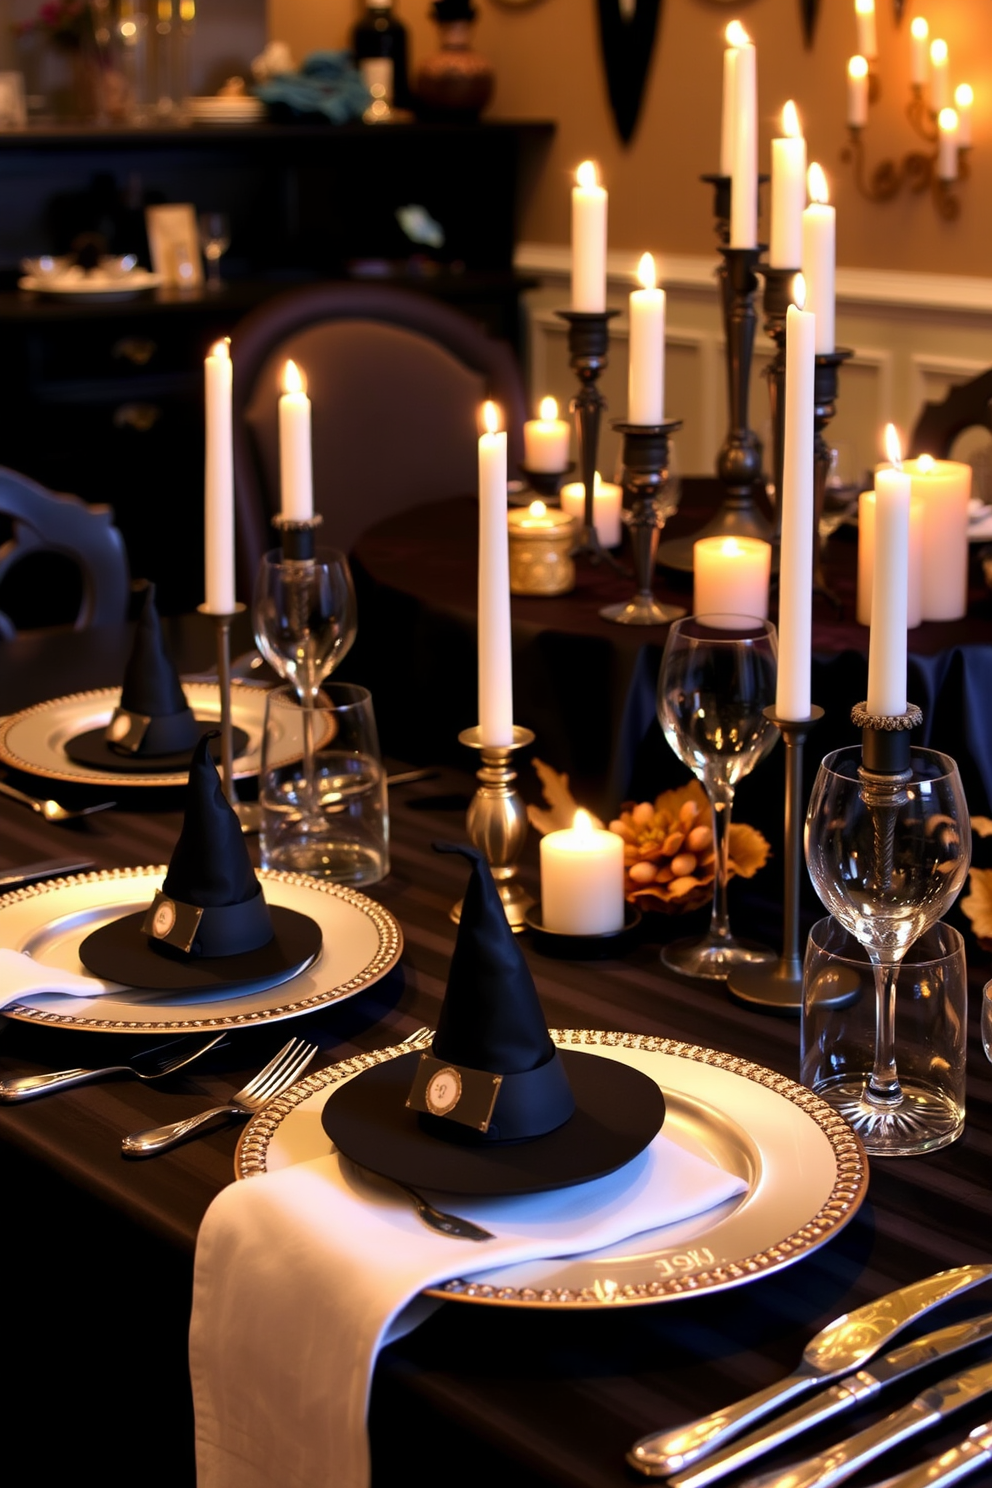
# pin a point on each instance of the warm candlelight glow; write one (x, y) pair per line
(490, 417)
(582, 823)
(548, 409)
(964, 95)
(893, 448)
(292, 379)
(736, 35)
(586, 175)
(791, 126)
(864, 7)
(919, 29)
(799, 292)
(646, 271)
(222, 348)
(731, 547)
(537, 509)
(857, 67)
(816, 183)
(948, 120)
(925, 464)
(938, 52)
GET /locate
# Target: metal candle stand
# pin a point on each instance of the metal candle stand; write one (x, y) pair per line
(778, 986)
(828, 363)
(779, 295)
(546, 483)
(588, 344)
(497, 821)
(222, 631)
(298, 537)
(645, 483)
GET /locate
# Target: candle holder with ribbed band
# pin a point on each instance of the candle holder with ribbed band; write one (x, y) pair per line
(546, 483)
(246, 812)
(827, 366)
(650, 502)
(588, 344)
(497, 821)
(777, 987)
(779, 294)
(297, 536)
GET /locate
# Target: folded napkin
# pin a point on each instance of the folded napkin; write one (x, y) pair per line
(20, 976)
(301, 1276)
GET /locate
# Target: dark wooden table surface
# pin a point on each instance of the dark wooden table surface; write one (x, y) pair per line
(99, 1250)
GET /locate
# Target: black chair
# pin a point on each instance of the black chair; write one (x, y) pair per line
(967, 406)
(395, 379)
(42, 522)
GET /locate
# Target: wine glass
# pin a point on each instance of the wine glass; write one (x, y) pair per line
(888, 854)
(717, 677)
(215, 239)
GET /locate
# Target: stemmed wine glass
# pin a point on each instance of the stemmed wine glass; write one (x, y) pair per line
(717, 677)
(215, 239)
(888, 855)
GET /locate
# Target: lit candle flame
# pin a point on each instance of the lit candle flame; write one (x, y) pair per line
(919, 29)
(925, 463)
(799, 291)
(864, 7)
(292, 379)
(731, 547)
(947, 120)
(222, 349)
(537, 509)
(791, 127)
(490, 417)
(964, 95)
(736, 35)
(646, 272)
(938, 52)
(816, 183)
(549, 409)
(857, 67)
(586, 174)
(893, 448)
(582, 823)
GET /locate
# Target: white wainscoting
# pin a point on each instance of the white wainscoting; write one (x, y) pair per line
(914, 337)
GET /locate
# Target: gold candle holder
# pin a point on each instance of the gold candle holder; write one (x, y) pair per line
(497, 821)
(542, 539)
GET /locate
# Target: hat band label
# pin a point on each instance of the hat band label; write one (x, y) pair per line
(455, 1092)
(172, 923)
(126, 731)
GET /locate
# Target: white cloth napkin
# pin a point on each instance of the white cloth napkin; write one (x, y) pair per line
(20, 976)
(300, 1273)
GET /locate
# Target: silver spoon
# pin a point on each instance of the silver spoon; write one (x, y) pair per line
(52, 810)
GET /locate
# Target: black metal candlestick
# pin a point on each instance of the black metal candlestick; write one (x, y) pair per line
(588, 344)
(828, 364)
(222, 631)
(779, 295)
(546, 483)
(651, 503)
(297, 536)
(778, 986)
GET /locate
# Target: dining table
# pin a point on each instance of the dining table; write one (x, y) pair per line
(538, 1389)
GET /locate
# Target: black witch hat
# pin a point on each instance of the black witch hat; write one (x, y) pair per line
(154, 716)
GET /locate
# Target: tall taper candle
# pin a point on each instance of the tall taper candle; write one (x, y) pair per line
(947, 150)
(218, 483)
(744, 182)
(589, 209)
(795, 605)
(857, 92)
(864, 11)
(295, 454)
(788, 192)
(887, 643)
(819, 237)
(646, 381)
(495, 663)
(919, 67)
(940, 86)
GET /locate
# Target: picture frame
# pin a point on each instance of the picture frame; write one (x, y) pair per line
(174, 244)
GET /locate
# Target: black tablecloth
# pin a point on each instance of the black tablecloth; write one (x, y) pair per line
(99, 1251)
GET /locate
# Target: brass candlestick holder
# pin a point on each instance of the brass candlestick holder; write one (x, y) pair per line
(222, 631)
(651, 503)
(588, 344)
(828, 364)
(497, 821)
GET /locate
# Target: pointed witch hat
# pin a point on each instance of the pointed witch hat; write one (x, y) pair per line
(494, 1107)
(209, 925)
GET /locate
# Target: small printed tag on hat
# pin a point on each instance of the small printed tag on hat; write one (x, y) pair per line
(172, 923)
(451, 1090)
(126, 730)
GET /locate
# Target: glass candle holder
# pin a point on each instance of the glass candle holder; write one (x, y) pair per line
(541, 542)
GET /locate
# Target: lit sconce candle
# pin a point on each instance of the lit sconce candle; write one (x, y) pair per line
(744, 169)
(582, 879)
(919, 57)
(218, 492)
(947, 154)
(295, 456)
(730, 578)
(819, 252)
(795, 606)
(890, 584)
(964, 98)
(940, 86)
(646, 375)
(866, 559)
(857, 92)
(864, 11)
(589, 204)
(607, 501)
(944, 487)
(495, 664)
(788, 192)
(546, 439)
(735, 37)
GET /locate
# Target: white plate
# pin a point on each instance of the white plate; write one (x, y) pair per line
(35, 739)
(806, 1175)
(93, 286)
(222, 110)
(361, 942)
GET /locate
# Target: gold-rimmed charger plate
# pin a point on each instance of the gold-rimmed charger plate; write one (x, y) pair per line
(34, 740)
(49, 920)
(806, 1174)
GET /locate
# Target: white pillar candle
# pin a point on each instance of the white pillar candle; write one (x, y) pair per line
(730, 578)
(295, 456)
(744, 175)
(947, 152)
(890, 581)
(819, 235)
(582, 880)
(857, 92)
(589, 204)
(546, 439)
(495, 661)
(964, 99)
(788, 192)
(940, 86)
(218, 483)
(864, 11)
(607, 503)
(866, 559)
(944, 488)
(919, 56)
(795, 603)
(646, 376)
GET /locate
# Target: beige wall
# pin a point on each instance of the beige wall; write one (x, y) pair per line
(547, 66)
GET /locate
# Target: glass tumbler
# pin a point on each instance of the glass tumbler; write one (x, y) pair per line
(333, 822)
(839, 1025)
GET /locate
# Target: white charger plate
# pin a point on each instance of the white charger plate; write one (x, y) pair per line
(49, 921)
(806, 1174)
(34, 740)
(95, 286)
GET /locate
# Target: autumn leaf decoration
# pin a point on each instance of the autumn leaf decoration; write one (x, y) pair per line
(977, 904)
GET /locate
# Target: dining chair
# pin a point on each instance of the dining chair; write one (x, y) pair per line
(969, 405)
(63, 528)
(395, 379)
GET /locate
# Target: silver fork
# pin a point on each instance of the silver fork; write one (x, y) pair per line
(281, 1072)
(150, 1064)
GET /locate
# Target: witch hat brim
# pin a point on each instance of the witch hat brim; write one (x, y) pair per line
(91, 748)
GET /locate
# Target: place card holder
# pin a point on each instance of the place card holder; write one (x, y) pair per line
(454, 1092)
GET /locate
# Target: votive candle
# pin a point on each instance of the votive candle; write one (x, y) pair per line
(730, 578)
(546, 440)
(582, 879)
(944, 488)
(607, 503)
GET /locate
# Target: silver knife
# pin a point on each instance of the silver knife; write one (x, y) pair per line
(844, 1345)
(951, 1466)
(843, 1461)
(853, 1390)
